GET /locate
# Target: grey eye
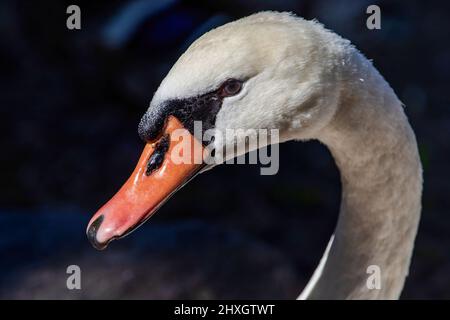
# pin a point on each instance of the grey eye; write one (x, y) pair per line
(230, 87)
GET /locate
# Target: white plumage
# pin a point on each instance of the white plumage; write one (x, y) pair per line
(312, 84)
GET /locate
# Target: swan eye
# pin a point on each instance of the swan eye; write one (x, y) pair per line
(230, 87)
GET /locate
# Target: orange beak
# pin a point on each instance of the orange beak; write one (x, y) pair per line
(158, 174)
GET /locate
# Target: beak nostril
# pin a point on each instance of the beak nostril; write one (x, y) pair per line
(92, 233)
(156, 159)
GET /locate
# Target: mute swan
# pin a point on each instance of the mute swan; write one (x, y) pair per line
(276, 70)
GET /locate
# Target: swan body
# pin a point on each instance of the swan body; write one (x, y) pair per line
(310, 83)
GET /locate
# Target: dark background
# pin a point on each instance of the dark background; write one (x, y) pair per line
(70, 104)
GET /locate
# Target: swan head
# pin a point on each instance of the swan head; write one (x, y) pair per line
(285, 65)
(266, 71)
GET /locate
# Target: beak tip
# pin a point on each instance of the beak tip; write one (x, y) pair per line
(92, 234)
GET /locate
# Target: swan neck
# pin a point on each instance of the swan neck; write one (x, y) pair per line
(376, 152)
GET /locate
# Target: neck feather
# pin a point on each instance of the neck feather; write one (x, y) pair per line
(376, 152)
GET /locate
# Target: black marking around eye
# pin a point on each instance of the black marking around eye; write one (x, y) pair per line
(202, 108)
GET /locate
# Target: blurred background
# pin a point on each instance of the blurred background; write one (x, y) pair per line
(70, 102)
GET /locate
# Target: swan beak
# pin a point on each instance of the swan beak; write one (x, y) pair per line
(158, 174)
